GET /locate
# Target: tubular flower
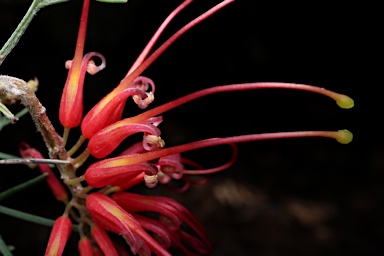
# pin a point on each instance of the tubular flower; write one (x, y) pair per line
(53, 182)
(97, 252)
(169, 162)
(85, 247)
(107, 175)
(102, 239)
(109, 215)
(59, 236)
(174, 238)
(110, 108)
(172, 215)
(101, 206)
(71, 104)
(113, 103)
(105, 141)
(108, 139)
(170, 166)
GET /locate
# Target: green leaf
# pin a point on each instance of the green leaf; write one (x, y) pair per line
(20, 30)
(30, 217)
(7, 156)
(5, 121)
(4, 250)
(50, 2)
(113, 1)
(8, 114)
(22, 186)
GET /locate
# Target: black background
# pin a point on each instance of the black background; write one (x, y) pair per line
(287, 197)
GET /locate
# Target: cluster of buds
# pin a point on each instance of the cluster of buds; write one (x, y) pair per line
(102, 206)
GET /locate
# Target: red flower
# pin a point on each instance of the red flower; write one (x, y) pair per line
(71, 104)
(110, 108)
(109, 215)
(100, 236)
(85, 247)
(59, 236)
(53, 182)
(172, 215)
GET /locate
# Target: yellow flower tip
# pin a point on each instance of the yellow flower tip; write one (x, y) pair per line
(345, 102)
(344, 136)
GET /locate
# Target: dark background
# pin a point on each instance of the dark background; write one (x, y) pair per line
(287, 197)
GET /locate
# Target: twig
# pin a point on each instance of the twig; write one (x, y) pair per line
(33, 161)
(19, 89)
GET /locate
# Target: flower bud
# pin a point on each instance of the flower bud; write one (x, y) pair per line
(108, 139)
(59, 236)
(109, 215)
(103, 241)
(104, 173)
(53, 182)
(85, 247)
(71, 104)
(109, 110)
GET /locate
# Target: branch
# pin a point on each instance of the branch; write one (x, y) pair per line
(33, 161)
(19, 89)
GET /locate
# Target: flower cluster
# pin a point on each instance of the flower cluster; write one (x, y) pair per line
(103, 205)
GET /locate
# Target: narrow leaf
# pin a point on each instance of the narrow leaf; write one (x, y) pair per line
(7, 156)
(30, 217)
(4, 250)
(22, 186)
(7, 113)
(5, 121)
(113, 1)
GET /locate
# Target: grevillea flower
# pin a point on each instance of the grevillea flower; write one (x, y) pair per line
(111, 111)
(85, 247)
(172, 216)
(108, 139)
(97, 252)
(113, 176)
(71, 104)
(110, 108)
(53, 182)
(59, 236)
(102, 239)
(174, 238)
(98, 213)
(109, 215)
(116, 169)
